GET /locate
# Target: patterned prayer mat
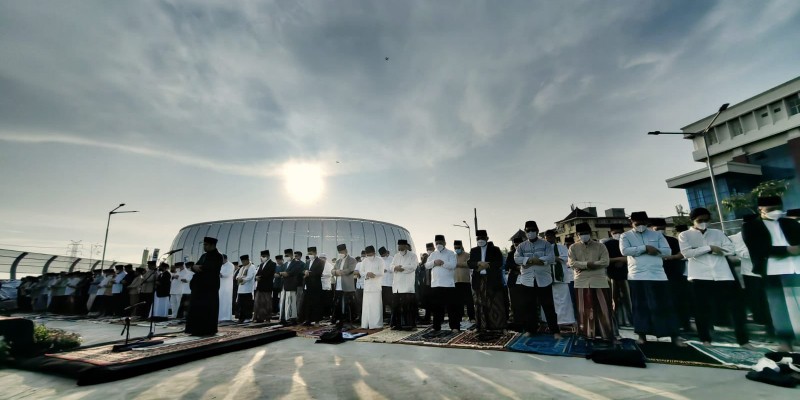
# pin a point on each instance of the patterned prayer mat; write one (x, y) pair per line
(581, 347)
(668, 353)
(315, 333)
(542, 344)
(364, 331)
(731, 355)
(102, 355)
(429, 337)
(484, 341)
(388, 336)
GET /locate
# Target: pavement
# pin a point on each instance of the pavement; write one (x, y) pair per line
(298, 368)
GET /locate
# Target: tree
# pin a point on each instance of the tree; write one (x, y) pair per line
(749, 201)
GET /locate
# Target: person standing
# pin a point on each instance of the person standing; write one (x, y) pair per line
(589, 260)
(514, 296)
(175, 289)
(536, 280)
(117, 291)
(313, 293)
(753, 284)
(226, 289)
(327, 287)
(359, 277)
(291, 280)
(186, 276)
(774, 244)
(404, 305)
(617, 272)
(160, 309)
(562, 278)
(442, 264)
(386, 282)
(423, 282)
(204, 308)
(653, 312)
(675, 268)
(277, 283)
(147, 289)
(345, 288)
(262, 307)
(372, 304)
(486, 263)
(245, 279)
(711, 277)
(463, 281)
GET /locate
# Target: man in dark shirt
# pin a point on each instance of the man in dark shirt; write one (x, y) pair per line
(513, 290)
(674, 267)
(618, 274)
(204, 308)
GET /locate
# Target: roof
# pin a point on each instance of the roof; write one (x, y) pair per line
(577, 213)
(228, 221)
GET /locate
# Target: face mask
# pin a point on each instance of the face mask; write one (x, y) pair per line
(701, 226)
(312, 257)
(370, 258)
(341, 255)
(586, 238)
(403, 252)
(440, 247)
(459, 251)
(776, 214)
(640, 228)
(533, 235)
(481, 243)
(429, 252)
(263, 259)
(615, 236)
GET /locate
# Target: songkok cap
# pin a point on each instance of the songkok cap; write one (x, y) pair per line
(244, 257)
(151, 262)
(179, 264)
(639, 216)
(298, 253)
(698, 212)
(481, 233)
(550, 232)
(279, 257)
(287, 252)
(795, 212)
(235, 263)
(617, 227)
(438, 238)
(323, 255)
(768, 201)
(209, 240)
(341, 247)
(750, 217)
(310, 249)
(402, 242)
(531, 225)
(517, 240)
(681, 228)
(382, 250)
(429, 245)
(370, 249)
(657, 222)
(569, 239)
(457, 243)
(264, 253)
(190, 263)
(583, 227)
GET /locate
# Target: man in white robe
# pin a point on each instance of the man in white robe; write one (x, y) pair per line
(562, 276)
(175, 289)
(226, 290)
(372, 304)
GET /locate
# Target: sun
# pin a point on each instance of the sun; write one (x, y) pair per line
(304, 182)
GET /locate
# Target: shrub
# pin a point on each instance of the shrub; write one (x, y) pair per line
(54, 340)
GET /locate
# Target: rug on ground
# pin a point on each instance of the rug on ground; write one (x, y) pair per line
(388, 336)
(732, 355)
(483, 340)
(429, 337)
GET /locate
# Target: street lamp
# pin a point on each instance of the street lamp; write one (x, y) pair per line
(105, 242)
(708, 158)
(469, 232)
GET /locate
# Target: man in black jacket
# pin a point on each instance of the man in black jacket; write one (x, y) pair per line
(312, 297)
(204, 308)
(262, 310)
(486, 263)
(292, 278)
(774, 245)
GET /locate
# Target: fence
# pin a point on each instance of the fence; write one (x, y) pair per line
(16, 264)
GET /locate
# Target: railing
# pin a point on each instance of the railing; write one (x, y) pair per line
(15, 264)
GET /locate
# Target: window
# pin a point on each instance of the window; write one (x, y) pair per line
(735, 127)
(712, 136)
(793, 104)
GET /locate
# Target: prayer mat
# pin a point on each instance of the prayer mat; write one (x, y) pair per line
(732, 355)
(364, 331)
(388, 336)
(98, 364)
(484, 340)
(352, 336)
(668, 353)
(581, 347)
(315, 332)
(429, 337)
(543, 344)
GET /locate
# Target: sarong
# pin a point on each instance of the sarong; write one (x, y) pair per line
(783, 296)
(490, 307)
(595, 315)
(653, 312)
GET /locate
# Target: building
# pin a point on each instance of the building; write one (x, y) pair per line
(601, 226)
(251, 235)
(15, 264)
(751, 142)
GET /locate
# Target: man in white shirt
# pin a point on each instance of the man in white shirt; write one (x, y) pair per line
(226, 290)
(372, 304)
(327, 287)
(386, 282)
(359, 285)
(653, 311)
(185, 277)
(753, 284)
(711, 277)
(245, 279)
(563, 276)
(175, 289)
(116, 290)
(536, 281)
(404, 305)
(774, 244)
(442, 263)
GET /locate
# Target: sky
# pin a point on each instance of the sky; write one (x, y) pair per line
(192, 111)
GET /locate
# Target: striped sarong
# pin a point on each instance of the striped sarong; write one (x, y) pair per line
(596, 316)
(783, 296)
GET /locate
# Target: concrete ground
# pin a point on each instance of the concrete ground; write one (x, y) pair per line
(300, 369)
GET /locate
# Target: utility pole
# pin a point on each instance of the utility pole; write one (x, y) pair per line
(74, 248)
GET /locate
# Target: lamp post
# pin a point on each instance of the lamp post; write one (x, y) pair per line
(105, 242)
(469, 232)
(708, 159)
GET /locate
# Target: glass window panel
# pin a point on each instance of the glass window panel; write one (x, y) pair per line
(180, 243)
(301, 236)
(213, 231)
(369, 234)
(191, 243)
(287, 234)
(343, 235)
(329, 238)
(315, 235)
(274, 237)
(246, 240)
(260, 237)
(357, 236)
(223, 235)
(234, 237)
(383, 241)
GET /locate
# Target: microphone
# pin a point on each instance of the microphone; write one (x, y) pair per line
(172, 252)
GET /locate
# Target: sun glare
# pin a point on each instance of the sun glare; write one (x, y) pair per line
(304, 182)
